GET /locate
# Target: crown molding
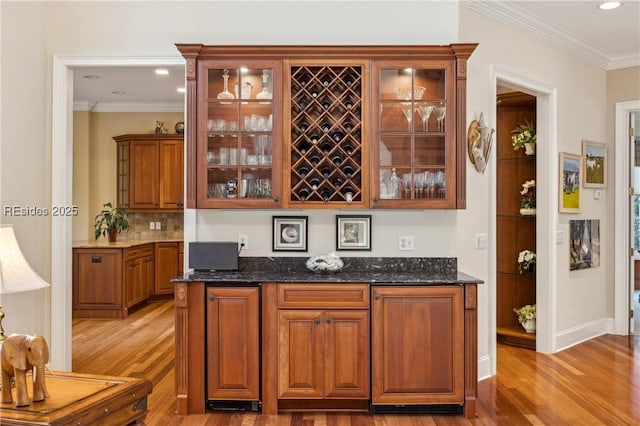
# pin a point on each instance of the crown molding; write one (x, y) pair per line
(128, 106)
(514, 17)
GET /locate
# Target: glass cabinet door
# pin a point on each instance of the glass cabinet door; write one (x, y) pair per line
(415, 141)
(240, 137)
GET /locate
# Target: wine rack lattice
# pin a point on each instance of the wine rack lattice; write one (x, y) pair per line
(326, 134)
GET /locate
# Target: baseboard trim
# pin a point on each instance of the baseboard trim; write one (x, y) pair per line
(581, 333)
(484, 367)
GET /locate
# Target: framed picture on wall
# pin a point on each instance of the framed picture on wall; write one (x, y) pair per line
(569, 183)
(594, 162)
(290, 233)
(353, 232)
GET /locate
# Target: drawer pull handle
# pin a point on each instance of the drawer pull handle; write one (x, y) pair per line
(96, 259)
(318, 320)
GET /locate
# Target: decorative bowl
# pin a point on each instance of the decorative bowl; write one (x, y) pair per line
(328, 263)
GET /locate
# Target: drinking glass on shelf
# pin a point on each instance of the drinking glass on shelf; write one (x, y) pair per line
(407, 110)
(406, 185)
(225, 94)
(419, 184)
(425, 111)
(440, 110)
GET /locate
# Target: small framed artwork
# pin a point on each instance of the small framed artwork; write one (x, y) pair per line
(594, 162)
(584, 249)
(353, 232)
(290, 233)
(569, 183)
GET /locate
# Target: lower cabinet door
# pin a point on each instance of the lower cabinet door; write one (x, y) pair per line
(417, 345)
(233, 343)
(346, 368)
(300, 363)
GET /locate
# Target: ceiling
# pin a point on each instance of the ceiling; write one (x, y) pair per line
(608, 39)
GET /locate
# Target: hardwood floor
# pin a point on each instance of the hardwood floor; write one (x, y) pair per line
(594, 383)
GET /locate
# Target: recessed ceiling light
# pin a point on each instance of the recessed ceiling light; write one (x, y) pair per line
(181, 90)
(91, 77)
(608, 5)
(162, 71)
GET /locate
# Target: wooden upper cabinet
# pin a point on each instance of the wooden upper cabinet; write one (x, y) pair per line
(341, 124)
(150, 172)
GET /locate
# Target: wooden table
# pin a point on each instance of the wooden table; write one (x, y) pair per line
(83, 399)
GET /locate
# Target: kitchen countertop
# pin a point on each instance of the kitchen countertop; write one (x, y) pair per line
(103, 243)
(391, 270)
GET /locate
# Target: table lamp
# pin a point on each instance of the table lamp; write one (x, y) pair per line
(15, 273)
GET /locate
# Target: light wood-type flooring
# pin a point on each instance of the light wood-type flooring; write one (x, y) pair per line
(594, 383)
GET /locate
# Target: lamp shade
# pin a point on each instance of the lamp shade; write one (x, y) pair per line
(15, 273)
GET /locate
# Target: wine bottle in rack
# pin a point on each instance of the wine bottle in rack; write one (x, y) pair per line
(314, 138)
(348, 104)
(314, 182)
(337, 182)
(302, 103)
(315, 160)
(337, 136)
(325, 194)
(325, 127)
(326, 147)
(348, 149)
(303, 82)
(326, 104)
(314, 93)
(348, 192)
(303, 127)
(303, 171)
(303, 193)
(348, 126)
(326, 171)
(348, 171)
(303, 147)
(337, 160)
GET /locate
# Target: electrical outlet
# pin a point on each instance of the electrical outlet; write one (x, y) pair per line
(406, 243)
(243, 242)
(158, 226)
(481, 241)
(152, 226)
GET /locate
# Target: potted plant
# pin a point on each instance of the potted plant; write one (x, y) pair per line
(110, 221)
(527, 317)
(528, 200)
(526, 261)
(524, 136)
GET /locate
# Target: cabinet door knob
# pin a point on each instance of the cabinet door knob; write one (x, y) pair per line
(375, 199)
(329, 320)
(318, 320)
(276, 198)
(211, 297)
(377, 297)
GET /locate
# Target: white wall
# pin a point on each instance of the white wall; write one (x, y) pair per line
(151, 29)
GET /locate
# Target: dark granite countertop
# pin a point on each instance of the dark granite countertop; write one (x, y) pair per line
(376, 270)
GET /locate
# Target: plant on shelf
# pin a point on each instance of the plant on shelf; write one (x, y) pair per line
(526, 261)
(528, 200)
(524, 136)
(527, 317)
(110, 222)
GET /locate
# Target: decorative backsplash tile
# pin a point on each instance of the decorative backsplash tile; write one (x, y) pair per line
(171, 226)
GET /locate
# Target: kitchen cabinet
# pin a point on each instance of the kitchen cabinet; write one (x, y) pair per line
(417, 346)
(150, 172)
(514, 232)
(325, 106)
(107, 282)
(232, 344)
(324, 341)
(169, 259)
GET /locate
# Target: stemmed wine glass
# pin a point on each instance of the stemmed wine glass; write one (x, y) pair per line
(404, 94)
(407, 110)
(440, 110)
(425, 112)
(225, 94)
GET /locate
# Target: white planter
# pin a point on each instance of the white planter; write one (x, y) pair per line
(530, 148)
(528, 212)
(529, 326)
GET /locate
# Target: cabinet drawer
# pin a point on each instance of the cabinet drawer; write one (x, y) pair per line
(140, 251)
(323, 296)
